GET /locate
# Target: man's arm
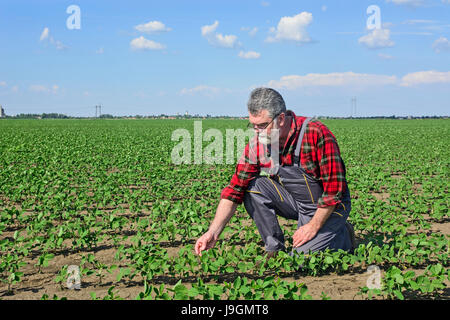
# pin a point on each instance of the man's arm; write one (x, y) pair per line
(225, 210)
(332, 168)
(231, 196)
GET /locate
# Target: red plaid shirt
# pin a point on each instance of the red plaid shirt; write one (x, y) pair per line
(320, 157)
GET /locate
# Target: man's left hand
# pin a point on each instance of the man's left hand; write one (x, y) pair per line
(304, 234)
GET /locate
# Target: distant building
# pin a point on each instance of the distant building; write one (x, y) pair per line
(2, 112)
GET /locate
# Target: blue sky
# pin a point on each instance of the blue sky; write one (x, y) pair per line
(153, 57)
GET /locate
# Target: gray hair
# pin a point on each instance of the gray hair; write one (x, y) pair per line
(266, 99)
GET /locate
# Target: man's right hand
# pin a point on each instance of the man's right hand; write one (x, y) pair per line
(205, 242)
(224, 212)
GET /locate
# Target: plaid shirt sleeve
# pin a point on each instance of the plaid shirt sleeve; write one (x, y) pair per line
(246, 170)
(331, 169)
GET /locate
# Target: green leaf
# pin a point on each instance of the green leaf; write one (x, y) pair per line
(181, 292)
(398, 278)
(193, 292)
(328, 260)
(237, 283)
(399, 295)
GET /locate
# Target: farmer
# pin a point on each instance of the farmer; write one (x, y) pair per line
(306, 184)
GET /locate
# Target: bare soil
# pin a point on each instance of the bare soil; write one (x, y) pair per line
(34, 285)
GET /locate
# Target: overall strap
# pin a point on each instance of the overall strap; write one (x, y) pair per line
(299, 142)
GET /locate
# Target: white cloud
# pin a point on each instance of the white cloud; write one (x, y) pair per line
(142, 43)
(265, 3)
(44, 34)
(218, 39)
(39, 88)
(385, 56)
(435, 27)
(378, 38)
(227, 41)
(208, 30)
(324, 8)
(349, 32)
(251, 32)
(292, 82)
(203, 89)
(418, 21)
(152, 27)
(446, 1)
(425, 77)
(413, 33)
(249, 55)
(413, 3)
(354, 80)
(292, 28)
(100, 51)
(13, 89)
(441, 44)
(59, 45)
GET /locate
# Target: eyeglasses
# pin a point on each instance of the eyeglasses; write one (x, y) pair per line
(263, 126)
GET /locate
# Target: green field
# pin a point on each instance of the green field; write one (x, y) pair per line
(104, 195)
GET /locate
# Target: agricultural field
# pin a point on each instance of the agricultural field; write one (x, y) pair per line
(103, 197)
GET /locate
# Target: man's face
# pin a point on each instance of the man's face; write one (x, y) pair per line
(263, 124)
(261, 121)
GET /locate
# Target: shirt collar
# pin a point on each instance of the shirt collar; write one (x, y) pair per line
(290, 113)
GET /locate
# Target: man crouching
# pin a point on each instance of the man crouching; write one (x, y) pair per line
(306, 183)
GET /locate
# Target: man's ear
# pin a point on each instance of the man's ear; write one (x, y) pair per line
(281, 119)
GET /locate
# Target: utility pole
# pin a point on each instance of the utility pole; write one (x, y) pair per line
(98, 110)
(353, 107)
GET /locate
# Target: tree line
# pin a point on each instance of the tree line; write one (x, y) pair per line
(165, 116)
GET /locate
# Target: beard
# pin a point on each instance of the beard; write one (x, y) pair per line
(267, 139)
(264, 139)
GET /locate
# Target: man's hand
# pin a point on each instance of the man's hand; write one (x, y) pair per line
(309, 230)
(205, 242)
(304, 234)
(224, 212)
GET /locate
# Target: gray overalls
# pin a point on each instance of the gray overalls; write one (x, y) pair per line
(292, 193)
